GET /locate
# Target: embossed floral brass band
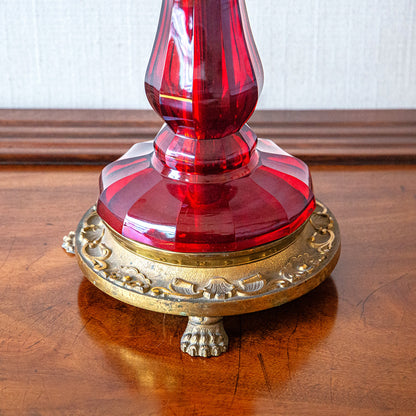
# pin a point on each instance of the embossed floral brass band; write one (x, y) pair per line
(272, 280)
(217, 285)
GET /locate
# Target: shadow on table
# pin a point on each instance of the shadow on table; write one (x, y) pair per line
(266, 350)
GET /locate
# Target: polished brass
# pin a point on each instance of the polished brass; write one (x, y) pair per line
(206, 286)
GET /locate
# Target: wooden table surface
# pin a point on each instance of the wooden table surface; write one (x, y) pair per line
(347, 348)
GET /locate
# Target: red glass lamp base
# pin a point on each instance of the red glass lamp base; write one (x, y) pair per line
(262, 201)
(205, 185)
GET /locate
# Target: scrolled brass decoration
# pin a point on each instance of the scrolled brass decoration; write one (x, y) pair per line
(94, 250)
(180, 288)
(217, 288)
(252, 284)
(298, 267)
(131, 278)
(69, 243)
(323, 238)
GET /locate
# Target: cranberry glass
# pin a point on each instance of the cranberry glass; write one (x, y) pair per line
(206, 184)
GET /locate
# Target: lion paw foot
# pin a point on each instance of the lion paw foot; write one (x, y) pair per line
(204, 337)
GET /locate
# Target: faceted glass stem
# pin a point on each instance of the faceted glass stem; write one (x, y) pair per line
(207, 184)
(204, 76)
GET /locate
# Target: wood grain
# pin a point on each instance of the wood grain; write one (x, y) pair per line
(100, 136)
(347, 348)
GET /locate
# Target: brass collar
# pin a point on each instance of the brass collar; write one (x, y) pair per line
(223, 259)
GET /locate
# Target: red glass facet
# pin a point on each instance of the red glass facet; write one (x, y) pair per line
(204, 76)
(263, 201)
(206, 184)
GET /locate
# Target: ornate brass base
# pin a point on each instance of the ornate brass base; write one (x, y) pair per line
(206, 287)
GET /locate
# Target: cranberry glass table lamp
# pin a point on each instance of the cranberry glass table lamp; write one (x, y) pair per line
(206, 220)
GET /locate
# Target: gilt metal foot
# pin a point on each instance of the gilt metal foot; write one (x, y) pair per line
(204, 337)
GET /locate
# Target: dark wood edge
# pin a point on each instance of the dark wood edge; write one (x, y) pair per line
(100, 136)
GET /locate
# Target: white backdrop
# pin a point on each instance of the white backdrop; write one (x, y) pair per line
(316, 53)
